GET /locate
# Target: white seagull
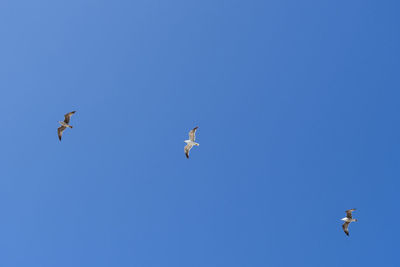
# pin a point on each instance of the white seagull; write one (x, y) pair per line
(190, 143)
(64, 124)
(347, 220)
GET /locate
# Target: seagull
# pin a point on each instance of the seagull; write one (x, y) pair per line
(347, 220)
(64, 124)
(190, 143)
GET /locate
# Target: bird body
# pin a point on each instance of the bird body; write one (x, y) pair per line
(348, 220)
(65, 124)
(190, 142)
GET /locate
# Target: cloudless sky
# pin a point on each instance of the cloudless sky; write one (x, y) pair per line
(297, 104)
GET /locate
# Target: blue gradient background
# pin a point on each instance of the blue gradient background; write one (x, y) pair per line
(297, 104)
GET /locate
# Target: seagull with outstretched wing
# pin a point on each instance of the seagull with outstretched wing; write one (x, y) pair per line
(191, 142)
(347, 220)
(64, 124)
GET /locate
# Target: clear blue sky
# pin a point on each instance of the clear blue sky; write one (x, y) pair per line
(297, 104)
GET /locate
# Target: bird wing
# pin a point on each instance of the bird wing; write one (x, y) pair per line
(192, 136)
(346, 228)
(60, 131)
(187, 149)
(348, 213)
(68, 116)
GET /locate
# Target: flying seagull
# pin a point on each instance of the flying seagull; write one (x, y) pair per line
(347, 220)
(190, 143)
(64, 124)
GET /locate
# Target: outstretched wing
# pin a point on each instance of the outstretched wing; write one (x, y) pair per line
(346, 228)
(192, 135)
(60, 131)
(187, 149)
(348, 213)
(68, 116)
